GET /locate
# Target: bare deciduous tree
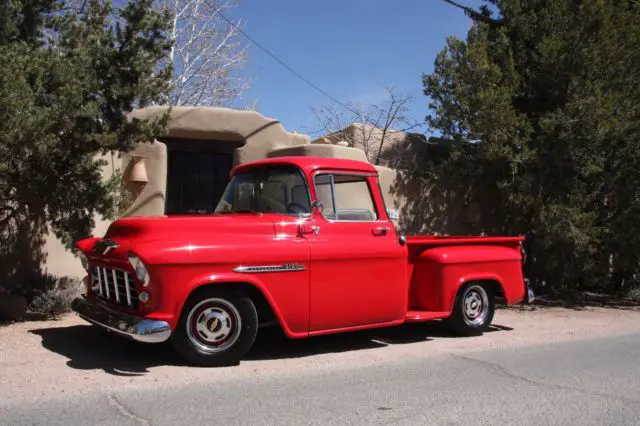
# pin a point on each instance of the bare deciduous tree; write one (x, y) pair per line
(207, 53)
(380, 130)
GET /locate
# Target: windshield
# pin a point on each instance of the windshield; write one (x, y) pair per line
(275, 189)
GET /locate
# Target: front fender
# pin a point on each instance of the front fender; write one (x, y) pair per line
(178, 268)
(294, 321)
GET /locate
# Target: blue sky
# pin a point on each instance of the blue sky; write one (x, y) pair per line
(349, 48)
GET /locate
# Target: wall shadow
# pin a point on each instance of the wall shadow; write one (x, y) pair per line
(432, 198)
(446, 207)
(90, 348)
(22, 256)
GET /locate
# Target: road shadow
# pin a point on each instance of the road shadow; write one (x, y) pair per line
(273, 344)
(90, 348)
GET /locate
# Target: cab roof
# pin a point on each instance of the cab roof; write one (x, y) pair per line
(311, 164)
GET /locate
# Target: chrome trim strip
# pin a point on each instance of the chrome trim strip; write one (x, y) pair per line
(127, 289)
(115, 285)
(99, 279)
(106, 282)
(287, 267)
(333, 193)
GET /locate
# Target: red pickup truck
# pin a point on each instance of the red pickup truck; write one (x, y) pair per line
(304, 243)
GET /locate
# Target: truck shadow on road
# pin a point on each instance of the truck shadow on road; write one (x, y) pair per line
(89, 348)
(273, 344)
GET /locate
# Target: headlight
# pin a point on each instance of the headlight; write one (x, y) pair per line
(140, 269)
(83, 259)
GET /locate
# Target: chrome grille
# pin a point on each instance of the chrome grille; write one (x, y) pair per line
(114, 285)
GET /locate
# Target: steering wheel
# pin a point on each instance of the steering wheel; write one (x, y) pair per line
(296, 208)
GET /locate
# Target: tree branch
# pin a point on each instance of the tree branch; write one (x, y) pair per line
(376, 123)
(474, 14)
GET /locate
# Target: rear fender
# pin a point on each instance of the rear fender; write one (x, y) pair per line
(215, 278)
(475, 277)
(439, 273)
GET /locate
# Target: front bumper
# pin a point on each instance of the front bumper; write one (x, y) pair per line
(136, 328)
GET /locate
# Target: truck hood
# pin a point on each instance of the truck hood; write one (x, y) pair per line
(166, 239)
(145, 229)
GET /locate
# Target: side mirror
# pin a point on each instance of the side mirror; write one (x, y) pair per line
(393, 214)
(318, 206)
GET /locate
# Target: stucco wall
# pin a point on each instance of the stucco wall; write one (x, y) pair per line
(324, 151)
(61, 261)
(148, 197)
(256, 134)
(397, 147)
(248, 135)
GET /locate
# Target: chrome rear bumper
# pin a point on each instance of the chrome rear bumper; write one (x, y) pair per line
(529, 296)
(136, 328)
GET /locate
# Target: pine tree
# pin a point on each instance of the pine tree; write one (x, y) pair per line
(67, 81)
(548, 92)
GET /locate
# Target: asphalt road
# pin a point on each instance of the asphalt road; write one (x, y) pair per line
(587, 382)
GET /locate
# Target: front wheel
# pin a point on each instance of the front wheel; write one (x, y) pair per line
(216, 328)
(473, 310)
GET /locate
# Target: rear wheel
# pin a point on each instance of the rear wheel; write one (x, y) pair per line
(473, 310)
(216, 328)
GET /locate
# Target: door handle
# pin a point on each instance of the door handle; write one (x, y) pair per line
(307, 228)
(380, 231)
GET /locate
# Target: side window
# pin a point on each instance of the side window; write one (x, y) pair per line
(345, 197)
(325, 195)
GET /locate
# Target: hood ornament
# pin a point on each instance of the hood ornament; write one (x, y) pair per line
(105, 246)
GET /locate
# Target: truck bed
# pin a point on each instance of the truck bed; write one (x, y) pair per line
(439, 265)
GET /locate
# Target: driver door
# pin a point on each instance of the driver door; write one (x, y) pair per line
(358, 268)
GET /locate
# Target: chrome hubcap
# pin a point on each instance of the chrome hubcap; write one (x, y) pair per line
(476, 305)
(213, 325)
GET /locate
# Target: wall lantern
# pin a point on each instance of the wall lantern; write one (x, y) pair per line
(138, 170)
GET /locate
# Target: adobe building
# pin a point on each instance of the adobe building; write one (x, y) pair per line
(186, 171)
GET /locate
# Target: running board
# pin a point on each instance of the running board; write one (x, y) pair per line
(422, 316)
